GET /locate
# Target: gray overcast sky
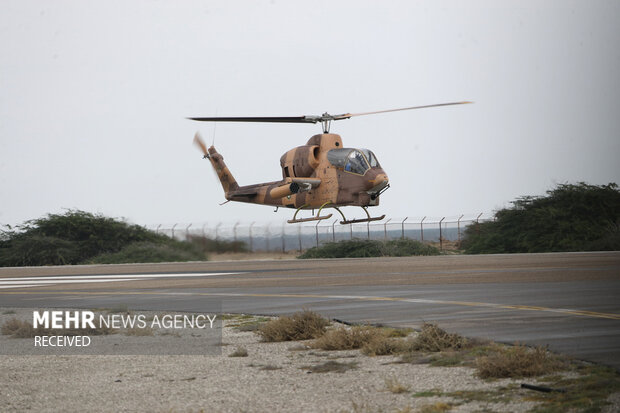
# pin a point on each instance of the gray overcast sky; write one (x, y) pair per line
(94, 95)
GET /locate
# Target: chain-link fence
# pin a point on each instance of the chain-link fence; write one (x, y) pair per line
(285, 237)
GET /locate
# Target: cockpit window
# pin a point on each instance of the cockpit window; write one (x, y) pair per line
(356, 163)
(372, 159)
(351, 160)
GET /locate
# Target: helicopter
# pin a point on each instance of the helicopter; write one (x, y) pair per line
(320, 174)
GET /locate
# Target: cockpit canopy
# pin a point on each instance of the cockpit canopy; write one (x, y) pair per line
(356, 161)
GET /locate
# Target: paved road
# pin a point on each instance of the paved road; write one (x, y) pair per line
(570, 302)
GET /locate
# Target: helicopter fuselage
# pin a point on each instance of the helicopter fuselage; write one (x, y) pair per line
(319, 174)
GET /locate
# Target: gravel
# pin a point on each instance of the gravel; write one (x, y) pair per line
(273, 377)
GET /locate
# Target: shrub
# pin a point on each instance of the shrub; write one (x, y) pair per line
(78, 237)
(373, 341)
(174, 251)
(517, 361)
(302, 325)
(368, 248)
(433, 339)
(578, 217)
(342, 338)
(219, 246)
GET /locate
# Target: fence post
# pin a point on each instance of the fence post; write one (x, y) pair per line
(157, 230)
(440, 235)
(235, 232)
(187, 232)
(403, 227)
(422, 229)
(334, 230)
(385, 229)
(283, 241)
(267, 237)
(251, 239)
(368, 230)
(478, 223)
(299, 236)
(173, 230)
(316, 229)
(458, 226)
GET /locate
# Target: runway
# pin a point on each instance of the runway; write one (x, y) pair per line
(568, 301)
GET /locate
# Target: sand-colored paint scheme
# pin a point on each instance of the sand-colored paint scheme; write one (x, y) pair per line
(320, 174)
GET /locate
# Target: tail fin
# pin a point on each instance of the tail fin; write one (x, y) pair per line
(228, 182)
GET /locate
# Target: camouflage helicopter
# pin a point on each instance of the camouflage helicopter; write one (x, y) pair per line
(320, 174)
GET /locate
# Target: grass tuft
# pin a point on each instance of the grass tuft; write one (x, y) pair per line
(302, 325)
(18, 329)
(331, 367)
(24, 329)
(433, 339)
(518, 361)
(342, 338)
(239, 352)
(393, 385)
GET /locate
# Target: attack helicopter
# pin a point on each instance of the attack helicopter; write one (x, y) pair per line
(320, 174)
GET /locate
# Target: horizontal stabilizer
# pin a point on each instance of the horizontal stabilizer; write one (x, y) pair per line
(242, 193)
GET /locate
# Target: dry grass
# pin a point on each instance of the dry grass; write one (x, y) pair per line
(331, 367)
(303, 325)
(518, 361)
(239, 352)
(18, 329)
(385, 346)
(373, 341)
(342, 338)
(23, 329)
(433, 339)
(392, 384)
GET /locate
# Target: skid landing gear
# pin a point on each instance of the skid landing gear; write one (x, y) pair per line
(344, 221)
(318, 216)
(356, 221)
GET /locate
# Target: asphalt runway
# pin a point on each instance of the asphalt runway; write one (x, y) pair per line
(568, 301)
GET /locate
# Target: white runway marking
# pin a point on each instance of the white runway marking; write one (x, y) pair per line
(19, 282)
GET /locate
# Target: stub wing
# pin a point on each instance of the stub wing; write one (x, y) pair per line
(313, 182)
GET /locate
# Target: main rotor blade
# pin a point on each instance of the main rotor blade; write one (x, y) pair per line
(326, 117)
(277, 119)
(348, 115)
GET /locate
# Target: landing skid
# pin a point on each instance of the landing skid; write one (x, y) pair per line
(344, 221)
(357, 221)
(318, 216)
(297, 221)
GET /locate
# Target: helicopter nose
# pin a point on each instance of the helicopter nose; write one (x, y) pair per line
(380, 182)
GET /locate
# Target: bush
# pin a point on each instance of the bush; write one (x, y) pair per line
(219, 246)
(78, 237)
(578, 217)
(300, 326)
(368, 248)
(346, 338)
(517, 361)
(434, 339)
(150, 252)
